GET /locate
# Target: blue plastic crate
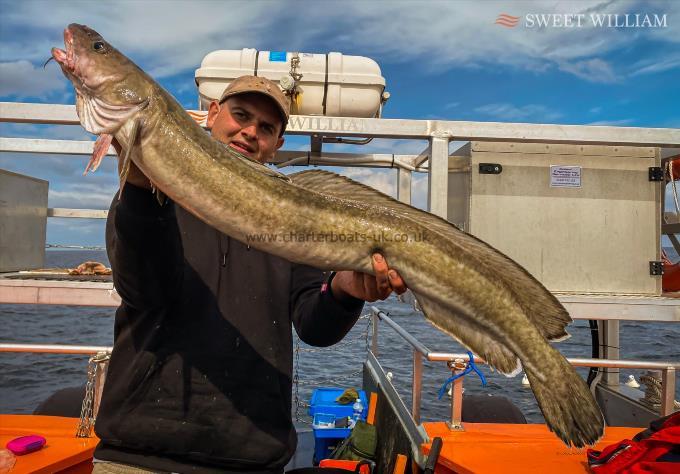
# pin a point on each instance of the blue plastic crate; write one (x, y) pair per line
(323, 401)
(326, 440)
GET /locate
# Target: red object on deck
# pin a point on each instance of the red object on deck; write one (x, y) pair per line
(645, 454)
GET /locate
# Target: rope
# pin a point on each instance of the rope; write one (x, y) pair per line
(470, 367)
(653, 392)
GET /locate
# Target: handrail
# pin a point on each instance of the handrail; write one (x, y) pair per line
(53, 348)
(402, 128)
(667, 369)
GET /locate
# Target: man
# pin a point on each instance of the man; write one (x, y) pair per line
(200, 374)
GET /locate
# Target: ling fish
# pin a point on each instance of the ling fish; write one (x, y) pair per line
(466, 288)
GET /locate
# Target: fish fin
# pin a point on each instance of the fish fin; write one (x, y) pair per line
(566, 402)
(464, 329)
(97, 116)
(160, 195)
(127, 157)
(101, 148)
(541, 306)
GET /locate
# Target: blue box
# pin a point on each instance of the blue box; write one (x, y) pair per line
(323, 401)
(326, 440)
(321, 406)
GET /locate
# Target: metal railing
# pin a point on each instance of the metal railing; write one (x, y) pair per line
(420, 351)
(53, 348)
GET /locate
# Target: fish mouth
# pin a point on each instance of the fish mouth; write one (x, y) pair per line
(66, 59)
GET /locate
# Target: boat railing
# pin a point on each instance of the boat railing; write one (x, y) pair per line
(457, 362)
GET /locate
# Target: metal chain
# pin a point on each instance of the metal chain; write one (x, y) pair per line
(294, 64)
(87, 416)
(296, 380)
(296, 366)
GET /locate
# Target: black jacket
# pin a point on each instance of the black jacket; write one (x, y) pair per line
(200, 374)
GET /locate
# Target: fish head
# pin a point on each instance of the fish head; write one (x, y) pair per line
(109, 87)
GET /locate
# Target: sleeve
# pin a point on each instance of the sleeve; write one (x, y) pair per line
(319, 319)
(144, 248)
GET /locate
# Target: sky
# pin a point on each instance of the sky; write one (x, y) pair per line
(447, 60)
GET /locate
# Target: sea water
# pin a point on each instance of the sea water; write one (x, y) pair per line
(27, 379)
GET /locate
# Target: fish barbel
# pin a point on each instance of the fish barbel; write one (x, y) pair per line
(465, 287)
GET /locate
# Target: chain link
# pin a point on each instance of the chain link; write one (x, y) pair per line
(87, 415)
(297, 382)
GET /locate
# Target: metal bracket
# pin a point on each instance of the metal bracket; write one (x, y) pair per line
(490, 168)
(655, 173)
(316, 142)
(656, 268)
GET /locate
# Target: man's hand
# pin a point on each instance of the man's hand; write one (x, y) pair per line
(368, 287)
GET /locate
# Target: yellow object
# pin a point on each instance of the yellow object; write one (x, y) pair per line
(348, 396)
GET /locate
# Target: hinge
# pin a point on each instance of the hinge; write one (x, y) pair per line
(656, 268)
(490, 168)
(655, 173)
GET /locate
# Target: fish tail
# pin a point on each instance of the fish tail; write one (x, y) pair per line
(568, 406)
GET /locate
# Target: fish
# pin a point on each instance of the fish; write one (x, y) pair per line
(466, 288)
(90, 268)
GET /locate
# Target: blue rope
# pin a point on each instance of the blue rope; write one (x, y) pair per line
(470, 368)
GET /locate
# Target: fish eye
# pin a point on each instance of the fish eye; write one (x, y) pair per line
(99, 46)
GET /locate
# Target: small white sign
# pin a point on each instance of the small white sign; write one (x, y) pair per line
(565, 176)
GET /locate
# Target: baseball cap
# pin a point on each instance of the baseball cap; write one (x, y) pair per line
(260, 85)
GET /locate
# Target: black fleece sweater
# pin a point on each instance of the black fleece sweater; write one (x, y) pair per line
(200, 374)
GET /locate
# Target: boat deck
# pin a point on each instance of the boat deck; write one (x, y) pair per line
(58, 288)
(62, 452)
(98, 290)
(486, 447)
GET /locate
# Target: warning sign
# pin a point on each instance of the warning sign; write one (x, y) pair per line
(565, 176)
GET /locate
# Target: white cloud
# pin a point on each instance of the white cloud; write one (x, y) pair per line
(419, 185)
(436, 35)
(382, 180)
(593, 70)
(654, 65)
(22, 79)
(82, 196)
(166, 37)
(57, 132)
(619, 123)
(505, 111)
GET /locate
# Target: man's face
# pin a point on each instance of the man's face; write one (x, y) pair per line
(249, 123)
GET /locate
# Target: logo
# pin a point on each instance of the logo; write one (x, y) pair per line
(506, 20)
(581, 20)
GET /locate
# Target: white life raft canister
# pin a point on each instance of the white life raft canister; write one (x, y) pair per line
(330, 84)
